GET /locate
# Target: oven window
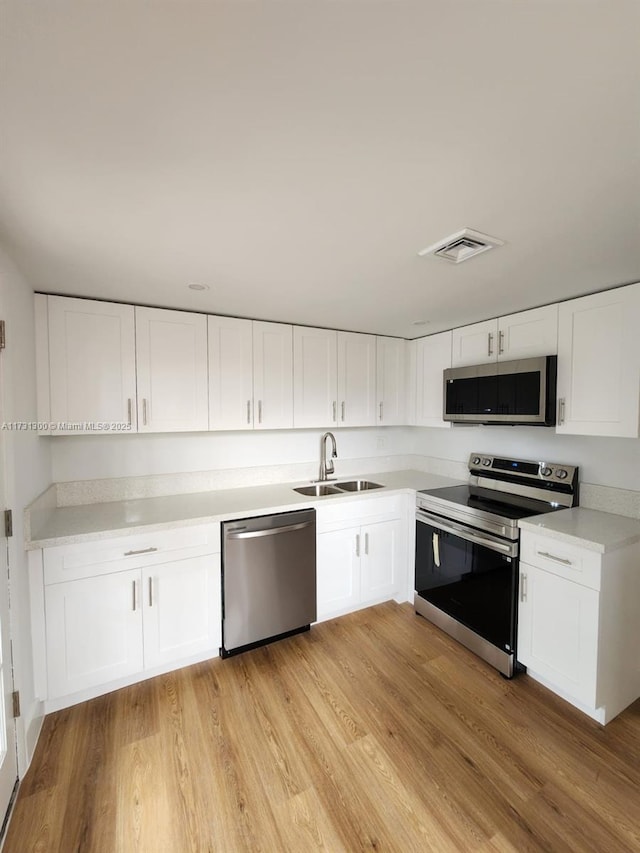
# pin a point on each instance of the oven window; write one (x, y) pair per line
(470, 582)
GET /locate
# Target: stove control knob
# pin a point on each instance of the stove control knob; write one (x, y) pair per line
(546, 472)
(486, 462)
(561, 474)
(476, 460)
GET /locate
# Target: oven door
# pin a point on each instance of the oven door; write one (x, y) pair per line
(469, 575)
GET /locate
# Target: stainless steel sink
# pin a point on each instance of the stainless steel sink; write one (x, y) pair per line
(317, 490)
(358, 486)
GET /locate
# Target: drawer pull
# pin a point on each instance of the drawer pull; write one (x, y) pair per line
(141, 551)
(555, 559)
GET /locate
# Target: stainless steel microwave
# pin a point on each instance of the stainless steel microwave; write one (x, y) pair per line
(502, 392)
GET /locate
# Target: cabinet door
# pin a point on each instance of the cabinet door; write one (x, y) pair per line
(433, 357)
(171, 359)
(390, 380)
(94, 631)
(528, 334)
(338, 571)
(558, 632)
(380, 569)
(92, 369)
(315, 376)
(356, 379)
(230, 373)
(476, 344)
(272, 375)
(181, 602)
(599, 364)
(411, 382)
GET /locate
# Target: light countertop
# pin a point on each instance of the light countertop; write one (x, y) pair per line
(586, 528)
(71, 524)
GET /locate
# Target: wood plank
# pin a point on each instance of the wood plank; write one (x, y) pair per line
(374, 731)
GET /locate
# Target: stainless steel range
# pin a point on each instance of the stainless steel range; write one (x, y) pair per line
(467, 549)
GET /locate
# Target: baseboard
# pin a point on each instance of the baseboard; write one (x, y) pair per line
(32, 726)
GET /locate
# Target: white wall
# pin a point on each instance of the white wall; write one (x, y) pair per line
(28, 472)
(95, 457)
(611, 462)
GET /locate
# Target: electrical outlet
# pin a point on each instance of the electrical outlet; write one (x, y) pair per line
(381, 442)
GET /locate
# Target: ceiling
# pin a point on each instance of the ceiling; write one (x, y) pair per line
(295, 155)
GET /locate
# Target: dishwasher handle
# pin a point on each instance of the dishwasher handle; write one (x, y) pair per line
(255, 534)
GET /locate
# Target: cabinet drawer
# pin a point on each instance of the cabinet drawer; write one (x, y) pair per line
(562, 559)
(344, 513)
(88, 559)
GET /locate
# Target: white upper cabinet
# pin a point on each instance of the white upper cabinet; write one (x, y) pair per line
(334, 378)
(171, 360)
(230, 373)
(528, 334)
(433, 356)
(250, 374)
(390, 380)
(524, 335)
(356, 379)
(411, 381)
(315, 377)
(599, 364)
(86, 364)
(272, 375)
(474, 344)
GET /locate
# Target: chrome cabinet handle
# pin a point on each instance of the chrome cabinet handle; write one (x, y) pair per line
(135, 603)
(357, 544)
(366, 544)
(144, 411)
(150, 591)
(555, 559)
(490, 344)
(523, 588)
(129, 411)
(381, 411)
(342, 409)
(500, 343)
(334, 411)
(248, 411)
(141, 551)
(561, 410)
(259, 411)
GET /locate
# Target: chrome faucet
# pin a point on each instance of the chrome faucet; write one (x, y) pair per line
(327, 467)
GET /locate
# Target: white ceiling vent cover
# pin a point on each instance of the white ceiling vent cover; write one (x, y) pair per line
(462, 245)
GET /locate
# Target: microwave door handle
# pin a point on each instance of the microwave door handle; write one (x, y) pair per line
(508, 548)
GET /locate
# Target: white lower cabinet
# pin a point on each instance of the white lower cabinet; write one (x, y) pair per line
(139, 609)
(338, 572)
(94, 631)
(361, 557)
(558, 632)
(181, 610)
(578, 620)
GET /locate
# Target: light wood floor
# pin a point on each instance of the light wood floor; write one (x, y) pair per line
(372, 732)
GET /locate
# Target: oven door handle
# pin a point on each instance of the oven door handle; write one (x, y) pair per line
(508, 548)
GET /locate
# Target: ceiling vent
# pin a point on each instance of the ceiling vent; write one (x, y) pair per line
(462, 245)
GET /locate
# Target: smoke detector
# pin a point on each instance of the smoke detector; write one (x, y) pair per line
(462, 245)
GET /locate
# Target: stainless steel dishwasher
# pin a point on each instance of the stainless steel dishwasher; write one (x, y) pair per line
(268, 579)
